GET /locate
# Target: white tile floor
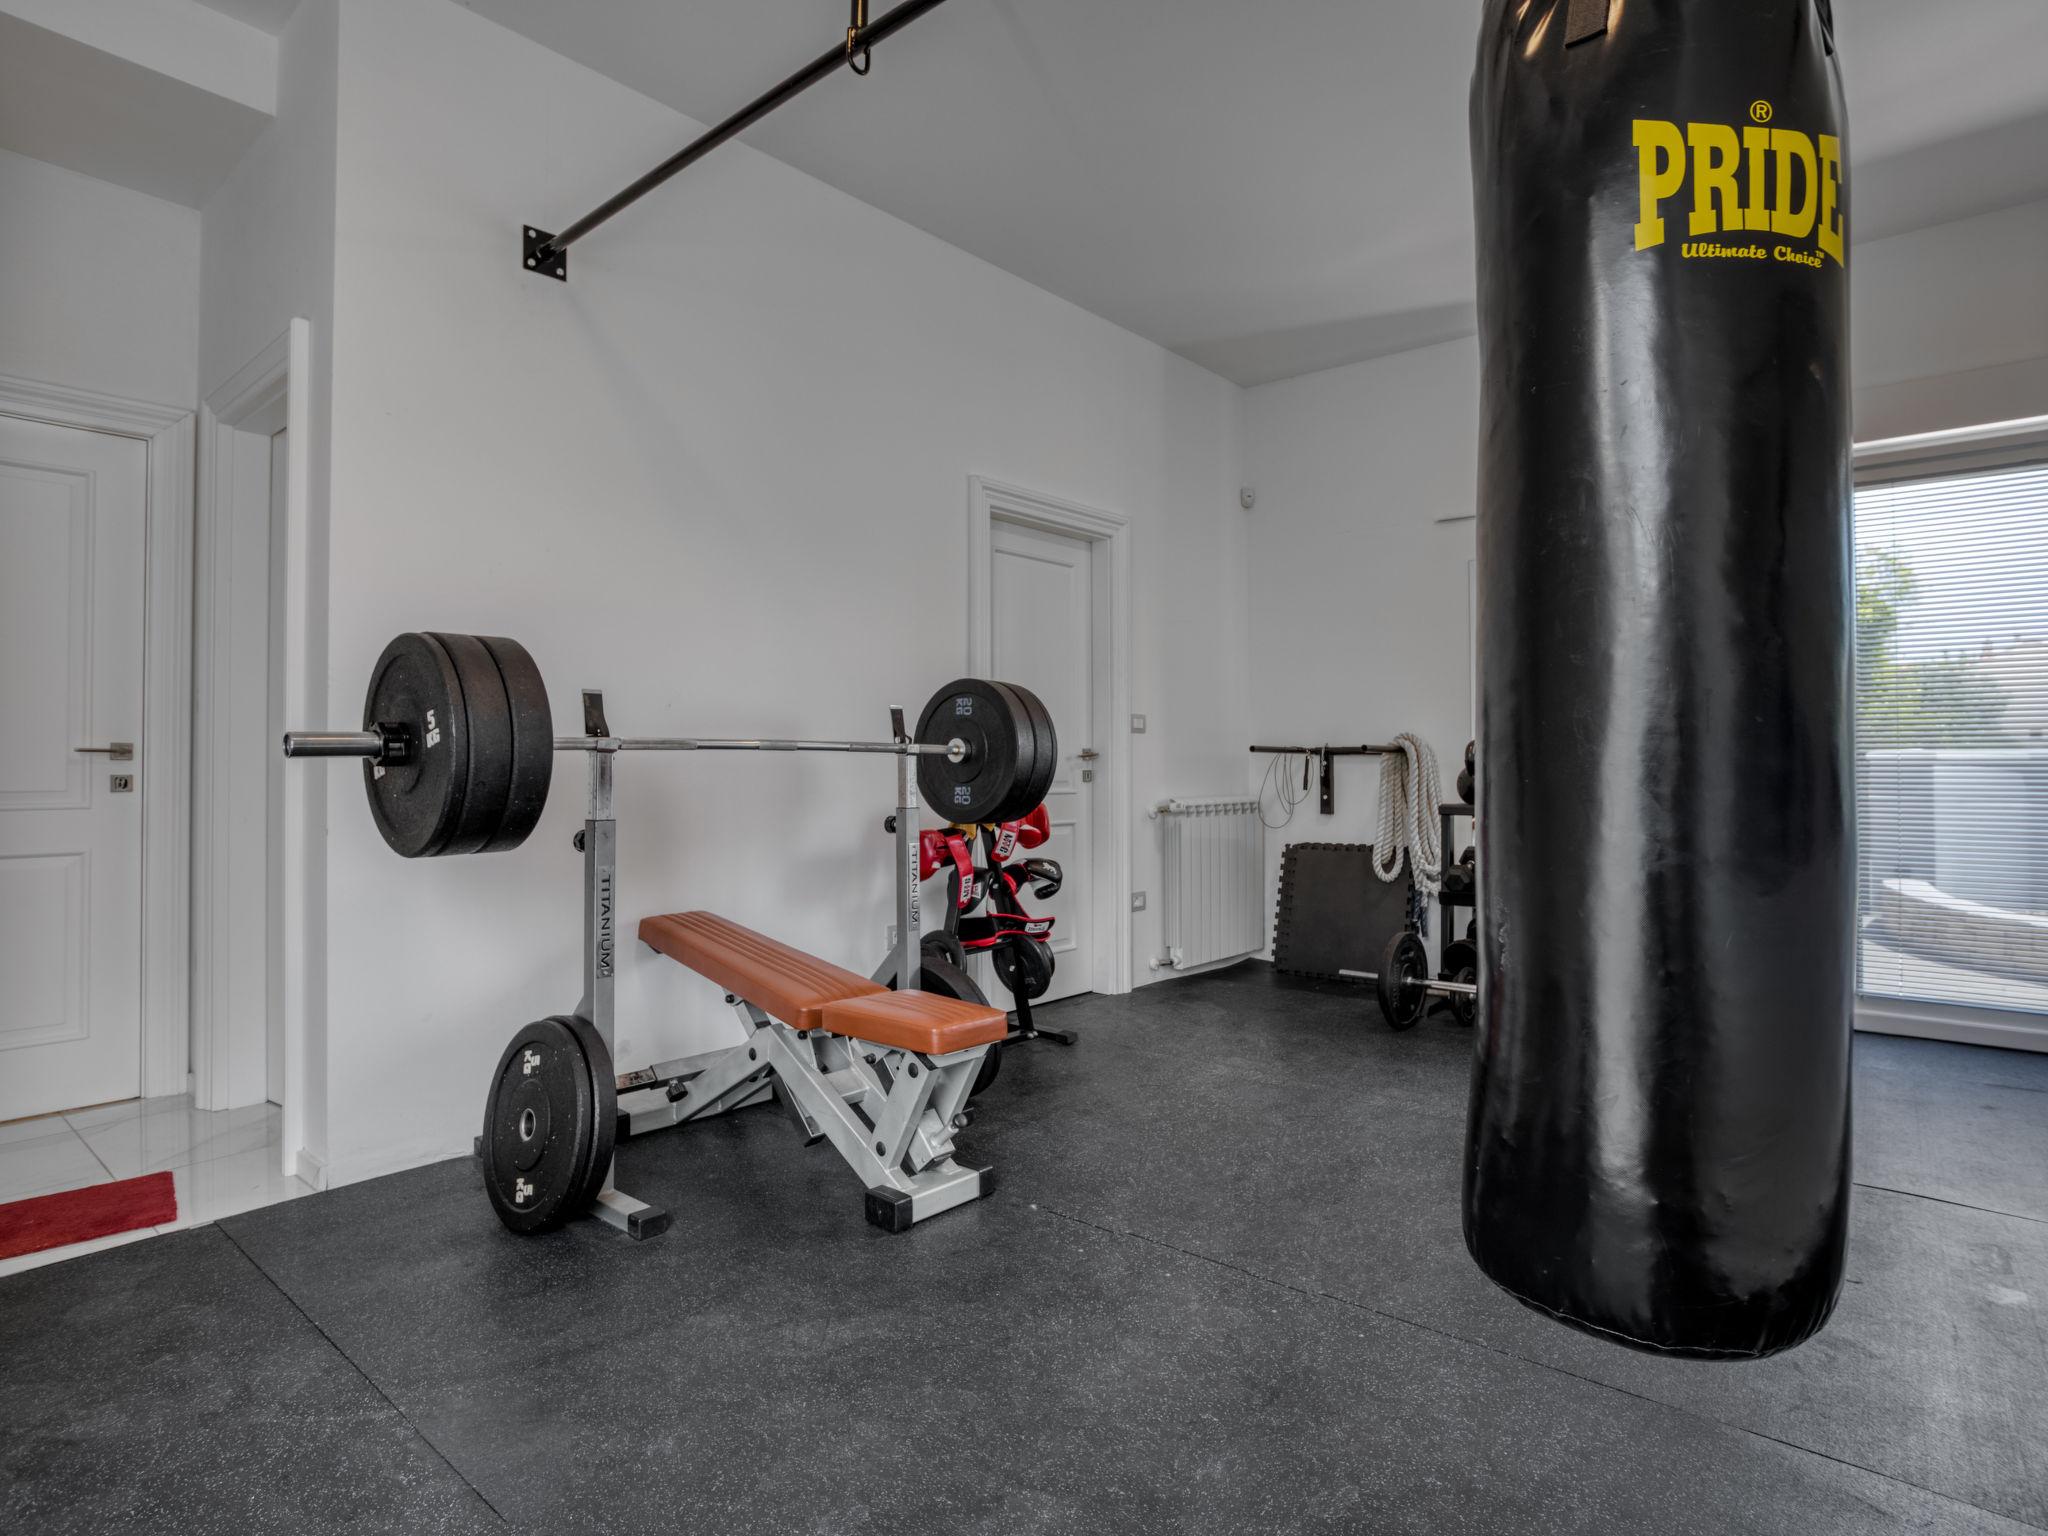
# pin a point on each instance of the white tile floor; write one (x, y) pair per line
(221, 1162)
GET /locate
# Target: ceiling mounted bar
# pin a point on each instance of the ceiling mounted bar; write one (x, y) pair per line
(547, 254)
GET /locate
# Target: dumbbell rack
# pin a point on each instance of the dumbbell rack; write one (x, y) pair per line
(1447, 905)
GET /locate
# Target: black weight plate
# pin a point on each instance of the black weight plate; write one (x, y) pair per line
(942, 978)
(489, 717)
(604, 1085)
(540, 1128)
(994, 727)
(1459, 955)
(1465, 1005)
(1029, 750)
(1024, 967)
(533, 742)
(417, 804)
(1403, 967)
(1032, 787)
(1472, 933)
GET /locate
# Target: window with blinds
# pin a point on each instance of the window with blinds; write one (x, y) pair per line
(1952, 737)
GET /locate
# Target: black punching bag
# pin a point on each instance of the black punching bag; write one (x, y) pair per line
(1658, 1143)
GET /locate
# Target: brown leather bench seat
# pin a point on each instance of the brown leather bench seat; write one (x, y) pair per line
(808, 993)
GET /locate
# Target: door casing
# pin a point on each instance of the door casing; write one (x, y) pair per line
(992, 501)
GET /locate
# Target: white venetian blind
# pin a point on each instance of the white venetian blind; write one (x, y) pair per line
(1952, 738)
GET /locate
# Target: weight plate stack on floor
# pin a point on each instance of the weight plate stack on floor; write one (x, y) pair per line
(550, 1122)
(416, 692)
(533, 742)
(1403, 968)
(1461, 964)
(489, 717)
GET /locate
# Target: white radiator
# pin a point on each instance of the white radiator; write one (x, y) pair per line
(1215, 906)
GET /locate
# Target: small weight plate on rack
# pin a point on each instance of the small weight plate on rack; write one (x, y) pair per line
(541, 1131)
(997, 730)
(1403, 968)
(488, 715)
(415, 689)
(1024, 966)
(533, 742)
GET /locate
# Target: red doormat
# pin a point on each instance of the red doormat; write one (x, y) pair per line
(80, 1215)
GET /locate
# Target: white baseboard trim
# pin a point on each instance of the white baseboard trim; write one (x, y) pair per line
(374, 1165)
(2014, 1032)
(309, 1168)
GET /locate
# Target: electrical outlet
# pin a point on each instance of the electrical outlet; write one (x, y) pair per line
(1137, 901)
(1137, 725)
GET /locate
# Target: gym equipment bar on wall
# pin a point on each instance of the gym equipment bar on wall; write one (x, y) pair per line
(547, 254)
(1327, 804)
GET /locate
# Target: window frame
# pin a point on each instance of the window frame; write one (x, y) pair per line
(1928, 456)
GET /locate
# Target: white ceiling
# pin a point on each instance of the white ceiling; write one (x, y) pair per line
(1266, 186)
(72, 104)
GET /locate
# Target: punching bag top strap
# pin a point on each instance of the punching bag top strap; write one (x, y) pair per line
(1827, 23)
(1587, 18)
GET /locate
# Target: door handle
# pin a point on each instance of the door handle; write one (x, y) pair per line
(118, 752)
(1087, 754)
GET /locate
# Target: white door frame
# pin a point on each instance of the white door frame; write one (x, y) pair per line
(166, 432)
(990, 502)
(269, 392)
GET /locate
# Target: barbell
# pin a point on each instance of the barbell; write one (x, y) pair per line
(1405, 986)
(458, 743)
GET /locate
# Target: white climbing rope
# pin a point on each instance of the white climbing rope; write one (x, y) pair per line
(1409, 797)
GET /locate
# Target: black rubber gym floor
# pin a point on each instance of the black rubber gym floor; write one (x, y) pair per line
(1220, 1288)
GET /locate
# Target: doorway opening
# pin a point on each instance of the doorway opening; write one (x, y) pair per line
(250, 834)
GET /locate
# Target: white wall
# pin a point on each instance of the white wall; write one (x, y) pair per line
(723, 474)
(1951, 324)
(102, 285)
(1359, 616)
(1360, 613)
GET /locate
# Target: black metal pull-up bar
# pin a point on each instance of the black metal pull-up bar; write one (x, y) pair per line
(546, 253)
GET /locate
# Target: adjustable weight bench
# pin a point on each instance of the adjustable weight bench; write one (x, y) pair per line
(884, 1076)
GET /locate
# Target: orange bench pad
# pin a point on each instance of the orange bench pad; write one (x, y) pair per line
(916, 1021)
(808, 993)
(781, 981)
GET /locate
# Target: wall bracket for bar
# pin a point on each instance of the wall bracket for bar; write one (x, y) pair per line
(1328, 801)
(547, 254)
(542, 257)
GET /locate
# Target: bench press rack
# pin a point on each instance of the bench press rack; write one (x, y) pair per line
(457, 747)
(817, 1076)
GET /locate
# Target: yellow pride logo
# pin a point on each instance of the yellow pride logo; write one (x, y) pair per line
(1750, 178)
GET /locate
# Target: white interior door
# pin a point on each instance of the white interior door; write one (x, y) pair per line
(1042, 608)
(72, 519)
